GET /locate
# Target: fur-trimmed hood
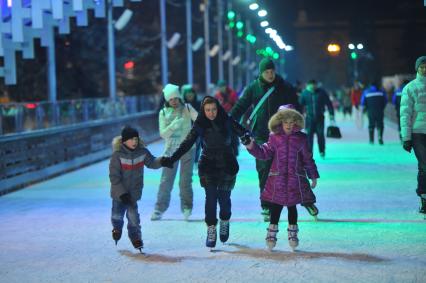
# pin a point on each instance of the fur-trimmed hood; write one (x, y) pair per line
(116, 143)
(275, 123)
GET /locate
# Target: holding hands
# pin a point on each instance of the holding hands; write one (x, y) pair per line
(246, 139)
(167, 162)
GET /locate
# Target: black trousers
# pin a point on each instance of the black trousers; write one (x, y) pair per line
(315, 126)
(276, 210)
(419, 146)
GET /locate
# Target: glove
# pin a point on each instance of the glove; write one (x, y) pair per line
(126, 199)
(167, 162)
(408, 145)
(246, 138)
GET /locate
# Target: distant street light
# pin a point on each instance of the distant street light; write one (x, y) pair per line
(351, 46)
(264, 24)
(262, 13)
(360, 46)
(333, 49)
(254, 6)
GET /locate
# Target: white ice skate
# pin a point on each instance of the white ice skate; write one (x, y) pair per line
(271, 236)
(156, 215)
(293, 241)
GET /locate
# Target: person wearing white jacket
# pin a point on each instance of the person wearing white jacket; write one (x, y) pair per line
(413, 124)
(175, 123)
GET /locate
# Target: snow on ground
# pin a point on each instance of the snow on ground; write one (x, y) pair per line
(369, 228)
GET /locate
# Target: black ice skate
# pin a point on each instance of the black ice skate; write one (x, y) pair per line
(138, 244)
(423, 205)
(312, 210)
(211, 236)
(116, 235)
(224, 230)
(266, 214)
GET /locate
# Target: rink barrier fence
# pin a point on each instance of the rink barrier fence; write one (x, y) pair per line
(34, 156)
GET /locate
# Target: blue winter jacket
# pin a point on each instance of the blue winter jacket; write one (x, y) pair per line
(374, 99)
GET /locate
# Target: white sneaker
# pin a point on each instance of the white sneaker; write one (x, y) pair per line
(156, 215)
(186, 213)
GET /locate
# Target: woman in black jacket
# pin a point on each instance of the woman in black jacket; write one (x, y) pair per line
(218, 166)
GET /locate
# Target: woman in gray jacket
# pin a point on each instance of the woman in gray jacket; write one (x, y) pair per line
(175, 123)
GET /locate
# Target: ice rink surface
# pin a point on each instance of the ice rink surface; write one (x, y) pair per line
(368, 229)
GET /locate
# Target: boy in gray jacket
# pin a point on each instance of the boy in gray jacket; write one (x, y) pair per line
(126, 176)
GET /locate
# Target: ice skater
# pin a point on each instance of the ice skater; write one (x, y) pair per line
(292, 165)
(126, 177)
(217, 167)
(175, 123)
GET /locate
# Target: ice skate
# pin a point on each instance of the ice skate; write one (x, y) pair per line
(224, 231)
(422, 209)
(293, 241)
(312, 210)
(138, 244)
(116, 235)
(266, 214)
(186, 213)
(271, 236)
(156, 215)
(211, 237)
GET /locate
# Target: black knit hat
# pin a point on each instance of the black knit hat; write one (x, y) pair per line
(128, 133)
(266, 64)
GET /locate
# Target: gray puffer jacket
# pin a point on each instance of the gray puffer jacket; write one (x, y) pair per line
(413, 108)
(126, 169)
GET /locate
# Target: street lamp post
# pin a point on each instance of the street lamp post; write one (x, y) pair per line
(111, 52)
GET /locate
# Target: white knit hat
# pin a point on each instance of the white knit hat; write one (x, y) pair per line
(171, 91)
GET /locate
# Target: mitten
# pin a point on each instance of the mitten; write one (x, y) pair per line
(408, 145)
(126, 199)
(246, 138)
(167, 162)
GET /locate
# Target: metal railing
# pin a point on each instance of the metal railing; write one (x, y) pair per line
(30, 116)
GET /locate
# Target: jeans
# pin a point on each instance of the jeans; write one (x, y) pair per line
(133, 222)
(419, 146)
(316, 126)
(213, 196)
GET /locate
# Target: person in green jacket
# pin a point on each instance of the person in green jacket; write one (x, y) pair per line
(283, 93)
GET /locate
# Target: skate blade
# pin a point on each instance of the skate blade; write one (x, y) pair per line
(315, 218)
(270, 245)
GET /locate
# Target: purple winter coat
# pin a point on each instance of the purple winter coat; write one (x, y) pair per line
(292, 165)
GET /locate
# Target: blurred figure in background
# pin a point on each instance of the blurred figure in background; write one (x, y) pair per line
(356, 93)
(315, 99)
(226, 96)
(374, 100)
(190, 96)
(396, 101)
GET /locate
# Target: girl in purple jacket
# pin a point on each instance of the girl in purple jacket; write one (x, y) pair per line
(292, 165)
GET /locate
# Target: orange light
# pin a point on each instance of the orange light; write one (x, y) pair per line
(333, 48)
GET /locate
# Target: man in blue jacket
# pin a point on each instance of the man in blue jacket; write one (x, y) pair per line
(374, 100)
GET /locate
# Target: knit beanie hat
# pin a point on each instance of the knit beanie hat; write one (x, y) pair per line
(266, 64)
(419, 61)
(128, 133)
(221, 83)
(171, 91)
